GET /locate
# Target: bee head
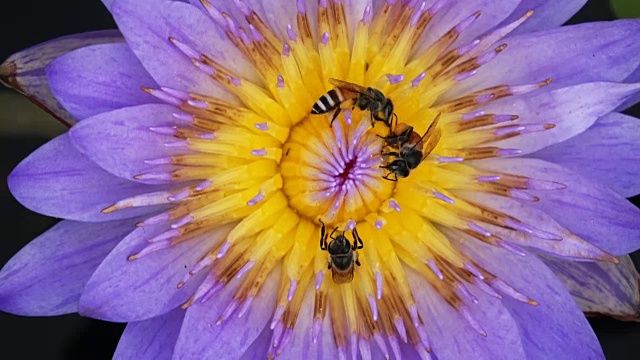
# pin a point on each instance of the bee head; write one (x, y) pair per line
(398, 167)
(339, 245)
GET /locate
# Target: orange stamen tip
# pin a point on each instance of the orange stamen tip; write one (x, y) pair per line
(529, 13)
(132, 257)
(533, 302)
(501, 47)
(187, 304)
(109, 210)
(549, 126)
(146, 89)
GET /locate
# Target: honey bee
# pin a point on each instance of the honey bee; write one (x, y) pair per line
(346, 94)
(342, 255)
(409, 148)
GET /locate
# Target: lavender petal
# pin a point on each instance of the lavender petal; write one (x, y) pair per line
(556, 327)
(120, 141)
(120, 289)
(47, 276)
(147, 28)
(24, 71)
(452, 336)
(572, 109)
(599, 51)
(150, 339)
(607, 153)
(588, 209)
(99, 78)
(56, 180)
(234, 335)
(601, 288)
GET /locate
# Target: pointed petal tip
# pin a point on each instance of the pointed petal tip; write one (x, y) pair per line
(8, 71)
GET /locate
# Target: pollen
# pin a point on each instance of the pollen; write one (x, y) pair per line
(266, 172)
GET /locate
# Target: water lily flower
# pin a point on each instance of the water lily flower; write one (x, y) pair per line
(194, 177)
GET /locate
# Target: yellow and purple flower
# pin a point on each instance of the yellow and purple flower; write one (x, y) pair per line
(193, 179)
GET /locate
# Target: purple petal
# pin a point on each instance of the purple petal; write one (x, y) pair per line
(451, 334)
(607, 152)
(235, 335)
(548, 14)
(553, 329)
(570, 247)
(604, 51)
(151, 339)
(123, 290)
(590, 210)
(47, 276)
(454, 11)
(354, 9)
(601, 288)
(301, 344)
(99, 78)
(56, 180)
(572, 109)
(260, 346)
(277, 14)
(107, 3)
(24, 71)
(230, 8)
(148, 24)
(633, 78)
(120, 141)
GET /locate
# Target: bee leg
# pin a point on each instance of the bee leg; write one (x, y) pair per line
(389, 153)
(323, 237)
(335, 115)
(358, 262)
(357, 239)
(329, 266)
(386, 177)
(376, 117)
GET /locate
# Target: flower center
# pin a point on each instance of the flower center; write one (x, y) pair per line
(333, 173)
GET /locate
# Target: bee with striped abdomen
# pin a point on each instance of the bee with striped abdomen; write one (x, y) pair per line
(346, 94)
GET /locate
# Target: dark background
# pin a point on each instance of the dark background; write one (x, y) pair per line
(23, 128)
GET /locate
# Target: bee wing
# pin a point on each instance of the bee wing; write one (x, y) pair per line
(431, 137)
(342, 277)
(430, 143)
(344, 85)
